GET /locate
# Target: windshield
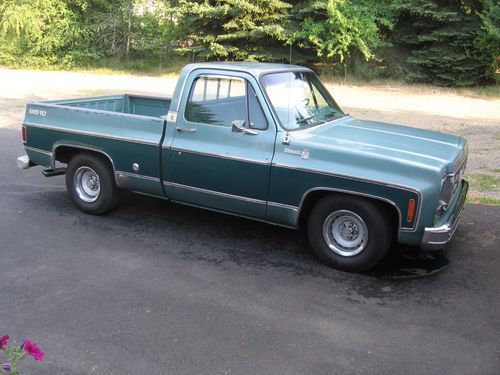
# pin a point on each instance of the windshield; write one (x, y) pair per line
(299, 99)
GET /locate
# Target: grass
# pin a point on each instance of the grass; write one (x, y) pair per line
(484, 182)
(171, 65)
(165, 67)
(486, 91)
(473, 198)
(153, 67)
(481, 188)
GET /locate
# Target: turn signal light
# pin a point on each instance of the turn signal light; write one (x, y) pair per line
(23, 131)
(411, 210)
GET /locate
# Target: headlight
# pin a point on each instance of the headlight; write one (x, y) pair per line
(446, 191)
(449, 187)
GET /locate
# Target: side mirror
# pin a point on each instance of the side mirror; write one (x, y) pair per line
(238, 126)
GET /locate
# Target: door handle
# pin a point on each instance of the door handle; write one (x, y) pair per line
(238, 126)
(187, 130)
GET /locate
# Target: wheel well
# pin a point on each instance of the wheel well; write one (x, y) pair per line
(64, 154)
(313, 197)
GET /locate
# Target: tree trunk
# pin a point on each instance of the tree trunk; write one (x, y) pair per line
(129, 29)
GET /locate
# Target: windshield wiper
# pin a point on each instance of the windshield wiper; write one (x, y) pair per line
(334, 115)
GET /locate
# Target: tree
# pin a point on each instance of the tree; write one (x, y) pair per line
(488, 42)
(122, 28)
(333, 29)
(232, 29)
(440, 38)
(34, 32)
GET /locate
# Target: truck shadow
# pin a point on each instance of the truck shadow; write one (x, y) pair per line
(195, 234)
(166, 233)
(251, 243)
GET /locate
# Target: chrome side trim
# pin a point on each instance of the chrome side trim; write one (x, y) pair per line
(402, 187)
(284, 206)
(233, 214)
(400, 217)
(135, 175)
(81, 147)
(379, 182)
(212, 192)
(38, 150)
(221, 156)
(92, 134)
(91, 110)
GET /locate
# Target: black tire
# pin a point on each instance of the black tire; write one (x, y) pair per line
(336, 213)
(108, 194)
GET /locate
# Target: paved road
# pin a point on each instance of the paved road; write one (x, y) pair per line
(158, 288)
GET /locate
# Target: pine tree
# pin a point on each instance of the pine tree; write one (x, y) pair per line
(232, 29)
(440, 40)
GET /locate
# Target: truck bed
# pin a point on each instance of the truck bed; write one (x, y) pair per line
(127, 104)
(115, 125)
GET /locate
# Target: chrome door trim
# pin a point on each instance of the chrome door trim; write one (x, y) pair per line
(284, 206)
(91, 134)
(215, 155)
(39, 150)
(213, 192)
(136, 175)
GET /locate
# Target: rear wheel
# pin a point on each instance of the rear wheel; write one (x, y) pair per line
(91, 184)
(349, 233)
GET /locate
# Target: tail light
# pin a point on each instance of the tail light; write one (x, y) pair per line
(23, 131)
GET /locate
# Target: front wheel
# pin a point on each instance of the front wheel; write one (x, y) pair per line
(349, 233)
(91, 184)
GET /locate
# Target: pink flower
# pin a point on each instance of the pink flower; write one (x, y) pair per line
(33, 350)
(3, 341)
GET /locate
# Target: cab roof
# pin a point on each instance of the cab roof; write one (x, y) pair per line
(254, 68)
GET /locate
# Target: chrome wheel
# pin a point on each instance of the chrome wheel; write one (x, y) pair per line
(87, 184)
(345, 233)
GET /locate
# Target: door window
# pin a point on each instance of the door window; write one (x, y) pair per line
(220, 100)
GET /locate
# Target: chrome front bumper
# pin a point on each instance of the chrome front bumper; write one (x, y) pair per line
(23, 162)
(435, 238)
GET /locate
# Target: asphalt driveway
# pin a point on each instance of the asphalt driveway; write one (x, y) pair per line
(158, 288)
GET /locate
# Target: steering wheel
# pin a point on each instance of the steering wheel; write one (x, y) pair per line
(303, 103)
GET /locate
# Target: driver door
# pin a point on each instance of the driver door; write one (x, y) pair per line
(223, 145)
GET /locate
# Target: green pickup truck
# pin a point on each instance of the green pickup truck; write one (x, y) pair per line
(262, 141)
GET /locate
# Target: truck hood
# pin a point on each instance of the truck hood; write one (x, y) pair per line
(400, 144)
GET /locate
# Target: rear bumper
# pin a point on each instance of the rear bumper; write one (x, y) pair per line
(23, 162)
(435, 238)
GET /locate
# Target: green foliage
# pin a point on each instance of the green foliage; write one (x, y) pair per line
(334, 28)
(232, 29)
(34, 32)
(448, 42)
(441, 39)
(488, 41)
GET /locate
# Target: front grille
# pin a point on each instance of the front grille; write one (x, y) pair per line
(459, 174)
